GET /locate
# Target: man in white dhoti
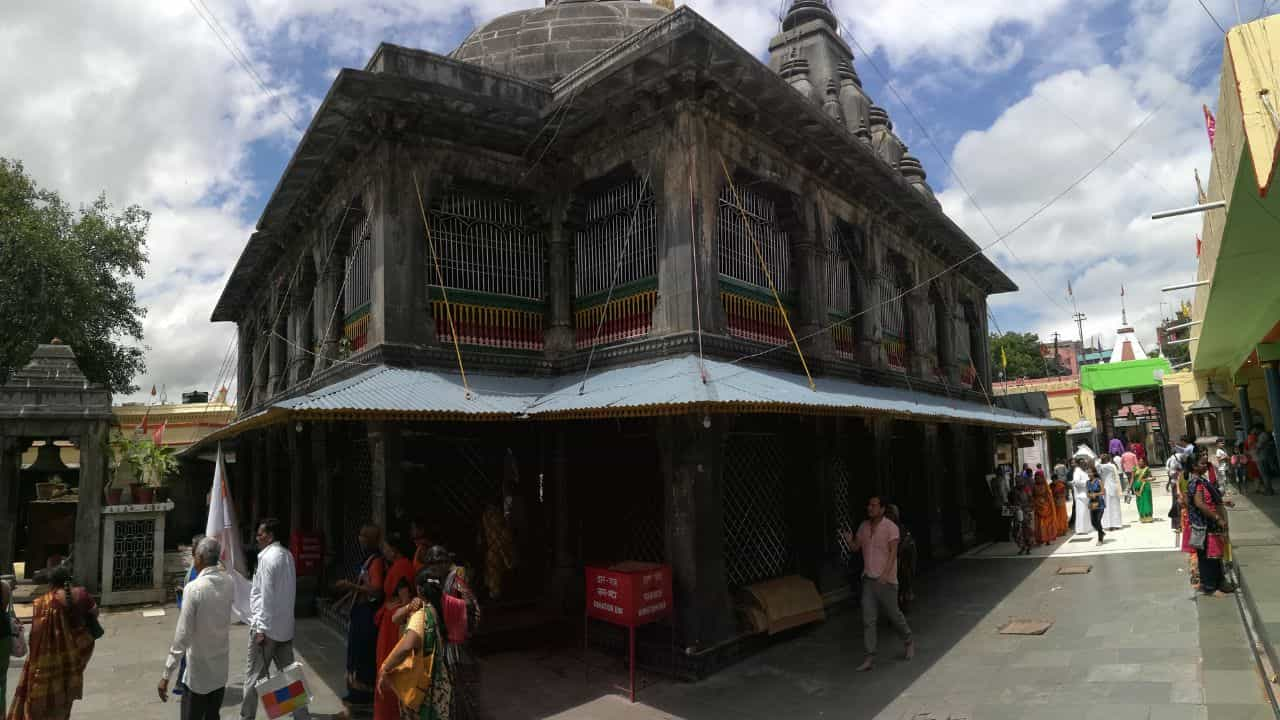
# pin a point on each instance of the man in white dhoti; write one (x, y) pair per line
(1110, 475)
(1080, 491)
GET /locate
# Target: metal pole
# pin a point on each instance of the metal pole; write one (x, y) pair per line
(1215, 205)
(1185, 286)
(1272, 374)
(1246, 412)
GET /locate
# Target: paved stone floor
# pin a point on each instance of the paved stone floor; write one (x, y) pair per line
(1127, 641)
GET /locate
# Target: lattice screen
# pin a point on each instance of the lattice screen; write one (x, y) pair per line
(464, 493)
(737, 256)
(357, 507)
(645, 530)
(756, 539)
(358, 290)
(133, 552)
(622, 227)
(487, 245)
(841, 512)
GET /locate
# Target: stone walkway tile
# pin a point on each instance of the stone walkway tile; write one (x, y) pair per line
(1188, 693)
(1239, 712)
(1108, 629)
(1119, 711)
(1178, 712)
(1242, 687)
(1114, 673)
(1045, 658)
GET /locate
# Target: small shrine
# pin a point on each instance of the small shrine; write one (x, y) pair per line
(51, 511)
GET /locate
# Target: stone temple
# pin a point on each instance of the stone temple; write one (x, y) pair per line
(579, 269)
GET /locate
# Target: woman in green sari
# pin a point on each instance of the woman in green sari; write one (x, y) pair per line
(1142, 490)
(424, 633)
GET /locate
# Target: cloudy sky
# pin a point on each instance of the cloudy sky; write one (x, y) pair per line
(144, 100)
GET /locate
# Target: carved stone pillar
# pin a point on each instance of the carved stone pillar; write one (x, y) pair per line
(300, 327)
(88, 538)
(559, 338)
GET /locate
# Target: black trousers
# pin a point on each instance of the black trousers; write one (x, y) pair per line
(1210, 571)
(201, 707)
(1095, 518)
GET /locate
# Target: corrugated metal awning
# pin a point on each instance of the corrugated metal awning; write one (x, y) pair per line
(665, 387)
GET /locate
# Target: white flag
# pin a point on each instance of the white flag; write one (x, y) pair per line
(222, 527)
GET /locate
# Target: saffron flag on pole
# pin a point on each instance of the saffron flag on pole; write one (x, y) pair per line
(222, 527)
(1198, 246)
(157, 437)
(1200, 196)
(1210, 125)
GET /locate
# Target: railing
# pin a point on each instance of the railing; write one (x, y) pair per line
(758, 320)
(895, 352)
(624, 318)
(489, 322)
(355, 328)
(844, 337)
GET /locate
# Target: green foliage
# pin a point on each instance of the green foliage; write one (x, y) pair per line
(69, 274)
(1023, 353)
(147, 461)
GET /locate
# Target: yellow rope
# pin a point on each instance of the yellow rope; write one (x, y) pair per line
(746, 222)
(448, 313)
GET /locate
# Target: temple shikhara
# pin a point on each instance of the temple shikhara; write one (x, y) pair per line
(601, 285)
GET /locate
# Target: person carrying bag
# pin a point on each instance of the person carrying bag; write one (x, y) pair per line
(415, 671)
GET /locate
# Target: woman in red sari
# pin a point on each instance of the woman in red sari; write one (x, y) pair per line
(397, 588)
(1059, 488)
(60, 647)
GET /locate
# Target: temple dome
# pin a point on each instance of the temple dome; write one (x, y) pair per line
(545, 44)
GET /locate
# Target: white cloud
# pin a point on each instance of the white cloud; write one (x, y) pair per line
(1100, 235)
(141, 100)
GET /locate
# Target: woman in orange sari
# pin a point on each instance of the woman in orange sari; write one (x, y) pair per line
(1046, 516)
(60, 647)
(397, 588)
(1059, 488)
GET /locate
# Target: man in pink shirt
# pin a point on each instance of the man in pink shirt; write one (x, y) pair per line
(1128, 461)
(877, 540)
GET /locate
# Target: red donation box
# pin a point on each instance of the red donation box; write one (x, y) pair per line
(308, 552)
(629, 593)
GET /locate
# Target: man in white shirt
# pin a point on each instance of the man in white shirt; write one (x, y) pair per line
(201, 637)
(877, 540)
(275, 584)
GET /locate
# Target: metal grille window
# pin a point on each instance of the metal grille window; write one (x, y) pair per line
(734, 234)
(840, 504)
(488, 245)
(756, 541)
(359, 288)
(893, 315)
(133, 551)
(841, 297)
(621, 235)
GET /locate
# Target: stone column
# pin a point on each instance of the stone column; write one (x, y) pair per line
(564, 582)
(10, 465)
(1272, 373)
(1246, 412)
(559, 338)
(258, 470)
(277, 351)
(93, 469)
(260, 360)
(692, 465)
(328, 311)
(811, 282)
(300, 326)
(244, 371)
(387, 479)
(400, 313)
(686, 179)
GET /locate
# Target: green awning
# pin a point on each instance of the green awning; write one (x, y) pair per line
(1128, 375)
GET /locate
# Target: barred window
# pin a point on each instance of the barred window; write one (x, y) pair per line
(734, 234)
(621, 229)
(488, 245)
(846, 250)
(892, 282)
(358, 290)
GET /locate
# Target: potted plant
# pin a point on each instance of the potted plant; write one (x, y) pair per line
(158, 463)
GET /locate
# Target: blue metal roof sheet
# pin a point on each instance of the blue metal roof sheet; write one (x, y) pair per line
(668, 383)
